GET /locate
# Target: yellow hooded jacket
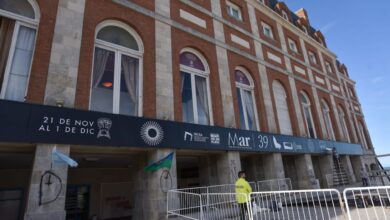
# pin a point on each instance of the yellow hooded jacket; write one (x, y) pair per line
(243, 187)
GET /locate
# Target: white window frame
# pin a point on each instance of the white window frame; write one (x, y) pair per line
(265, 27)
(343, 123)
(284, 15)
(204, 74)
(19, 21)
(308, 105)
(304, 29)
(328, 120)
(119, 51)
(312, 57)
(230, 7)
(250, 88)
(292, 42)
(328, 67)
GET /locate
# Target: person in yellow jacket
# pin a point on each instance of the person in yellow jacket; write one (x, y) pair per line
(242, 194)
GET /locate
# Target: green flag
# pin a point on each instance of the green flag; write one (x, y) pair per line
(166, 162)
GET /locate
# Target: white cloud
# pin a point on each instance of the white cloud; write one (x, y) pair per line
(327, 27)
(377, 79)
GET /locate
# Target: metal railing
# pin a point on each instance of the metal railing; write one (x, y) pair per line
(184, 204)
(368, 203)
(298, 205)
(225, 206)
(274, 184)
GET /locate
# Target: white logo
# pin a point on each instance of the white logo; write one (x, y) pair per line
(188, 136)
(215, 139)
(152, 133)
(288, 146)
(104, 125)
(276, 144)
(238, 141)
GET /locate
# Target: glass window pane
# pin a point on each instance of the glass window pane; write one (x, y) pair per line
(186, 98)
(241, 78)
(20, 7)
(309, 121)
(129, 86)
(250, 112)
(191, 60)
(21, 63)
(119, 36)
(241, 110)
(202, 100)
(103, 81)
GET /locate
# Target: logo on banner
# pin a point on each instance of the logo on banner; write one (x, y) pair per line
(195, 137)
(152, 133)
(215, 139)
(188, 136)
(104, 125)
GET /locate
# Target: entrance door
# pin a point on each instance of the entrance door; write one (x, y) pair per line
(77, 202)
(11, 204)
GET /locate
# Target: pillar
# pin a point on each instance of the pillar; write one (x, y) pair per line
(357, 164)
(228, 166)
(305, 172)
(326, 167)
(273, 166)
(346, 163)
(51, 187)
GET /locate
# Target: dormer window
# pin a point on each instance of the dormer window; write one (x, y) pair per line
(267, 30)
(292, 45)
(284, 15)
(328, 67)
(312, 57)
(233, 11)
(304, 29)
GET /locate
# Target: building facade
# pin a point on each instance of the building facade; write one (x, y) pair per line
(252, 72)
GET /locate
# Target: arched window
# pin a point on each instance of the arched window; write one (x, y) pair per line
(328, 121)
(195, 93)
(246, 100)
(343, 123)
(282, 109)
(18, 27)
(363, 136)
(117, 70)
(306, 107)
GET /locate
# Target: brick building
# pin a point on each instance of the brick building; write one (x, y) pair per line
(232, 84)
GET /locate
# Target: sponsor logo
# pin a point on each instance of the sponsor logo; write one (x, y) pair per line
(215, 139)
(236, 141)
(195, 137)
(104, 125)
(152, 133)
(276, 144)
(288, 146)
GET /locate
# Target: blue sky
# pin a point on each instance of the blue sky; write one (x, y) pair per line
(359, 32)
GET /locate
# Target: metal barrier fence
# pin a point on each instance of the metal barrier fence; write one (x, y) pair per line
(298, 205)
(184, 204)
(225, 206)
(368, 203)
(274, 184)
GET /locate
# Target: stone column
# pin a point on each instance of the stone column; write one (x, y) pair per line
(305, 172)
(228, 166)
(60, 89)
(346, 162)
(273, 166)
(357, 164)
(154, 196)
(53, 188)
(326, 167)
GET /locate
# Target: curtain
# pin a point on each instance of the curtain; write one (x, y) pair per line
(248, 101)
(6, 31)
(99, 66)
(130, 73)
(201, 94)
(21, 63)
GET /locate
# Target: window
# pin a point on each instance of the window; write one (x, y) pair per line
(312, 57)
(292, 45)
(343, 124)
(246, 100)
(195, 94)
(284, 15)
(18, 26)
(282, 110)
(267, 30)
(117, 70)
(306, 107)
(363, 135)
(328, 122)
(234, 11)
(351, 93)
(328, 67)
